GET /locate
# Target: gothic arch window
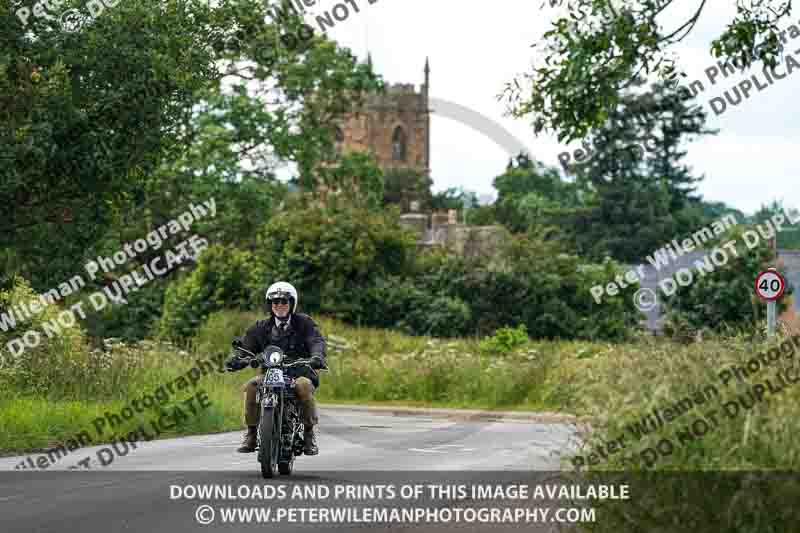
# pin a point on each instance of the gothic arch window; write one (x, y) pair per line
(399, 144)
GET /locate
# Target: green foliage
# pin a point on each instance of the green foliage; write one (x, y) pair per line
(134, 110)
(529, 194)
(225, 278)
(548, 291)
(708, 474)
(356, 177)
(217, 332)
(766, 212)
(407, 183)
(724, 299)
(109, 380)
(596, 48)
(789, 239)
(14, 366)
(698, 213)
(539, 287)
(638, 187)
(383, 365)
(62, 365)
(505, 340)
(483, 215)
(331, 255)
(412, 308)
(134, 321)
(454, 198)
(92, 92)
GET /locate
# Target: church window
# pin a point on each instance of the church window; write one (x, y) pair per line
(399, 144)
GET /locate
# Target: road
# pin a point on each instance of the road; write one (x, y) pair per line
(133, 491)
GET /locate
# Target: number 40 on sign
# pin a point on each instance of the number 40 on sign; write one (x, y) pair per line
(770, 285)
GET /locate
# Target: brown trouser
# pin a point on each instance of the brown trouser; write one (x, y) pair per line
(304, 390)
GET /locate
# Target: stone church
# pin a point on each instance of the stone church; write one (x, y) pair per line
(395, 127)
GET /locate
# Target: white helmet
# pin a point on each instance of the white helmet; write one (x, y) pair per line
(282, 289)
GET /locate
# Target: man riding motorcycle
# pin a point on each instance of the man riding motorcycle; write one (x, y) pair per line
(298, 336)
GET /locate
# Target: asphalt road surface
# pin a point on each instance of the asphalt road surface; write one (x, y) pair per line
(140, 489)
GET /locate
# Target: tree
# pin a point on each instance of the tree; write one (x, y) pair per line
(528, 192)
(703, 212)
(766, 212)
(225, 278)
(598, 48)
(454, 198)
(95, 122)
(331, 255)
(639, 188)
(356, 178)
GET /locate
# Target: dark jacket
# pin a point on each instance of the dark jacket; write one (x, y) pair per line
(303, 340)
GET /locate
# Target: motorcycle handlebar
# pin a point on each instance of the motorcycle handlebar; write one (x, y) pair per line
(254, 363)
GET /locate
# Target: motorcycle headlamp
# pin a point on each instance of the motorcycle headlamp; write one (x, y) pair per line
(275, 358)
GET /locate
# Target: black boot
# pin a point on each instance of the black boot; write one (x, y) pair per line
(310, 442)
(249, 442)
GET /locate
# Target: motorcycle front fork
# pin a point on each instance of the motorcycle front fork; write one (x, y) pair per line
(292, 438)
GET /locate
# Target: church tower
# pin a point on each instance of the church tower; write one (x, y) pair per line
(394, 126)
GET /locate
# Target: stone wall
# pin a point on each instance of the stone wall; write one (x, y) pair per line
(416, 222)
(370, 128)
(439, 230)
(477, 243)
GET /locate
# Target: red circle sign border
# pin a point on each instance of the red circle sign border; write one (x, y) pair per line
(783, 285)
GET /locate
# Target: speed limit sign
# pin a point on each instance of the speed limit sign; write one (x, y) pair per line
(770, 285)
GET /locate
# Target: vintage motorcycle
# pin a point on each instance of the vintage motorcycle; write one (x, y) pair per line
(280, 429)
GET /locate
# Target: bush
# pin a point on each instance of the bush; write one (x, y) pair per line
(35, 368)
(541, 288)
(403, 304)
(133, 321)
(225, 278)
(62, 366)
(505, 340)
(549, 292)
(330, 255)
(216, 334)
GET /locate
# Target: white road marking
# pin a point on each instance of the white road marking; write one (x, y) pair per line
(435, 449)
(424, 451)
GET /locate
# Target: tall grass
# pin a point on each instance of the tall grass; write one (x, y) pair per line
(60, 389)
(612, 385)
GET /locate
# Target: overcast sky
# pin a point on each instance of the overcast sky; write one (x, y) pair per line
(476, 47)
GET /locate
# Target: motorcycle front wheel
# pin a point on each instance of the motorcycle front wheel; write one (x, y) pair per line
(286, 464)
(269, 443)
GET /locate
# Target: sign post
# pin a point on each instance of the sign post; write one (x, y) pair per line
(770, 286)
